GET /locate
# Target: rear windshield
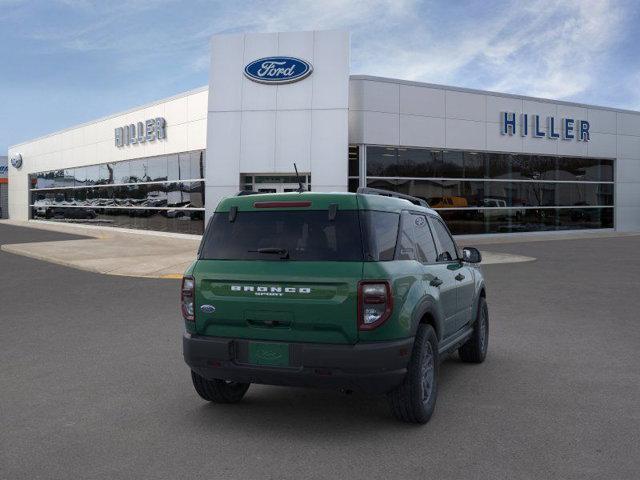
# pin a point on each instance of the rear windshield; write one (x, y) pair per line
(306, 235)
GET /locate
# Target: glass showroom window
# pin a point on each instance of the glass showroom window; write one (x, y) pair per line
(481, 192)
(157, 193)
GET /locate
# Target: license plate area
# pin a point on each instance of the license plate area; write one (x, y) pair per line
(268, 354)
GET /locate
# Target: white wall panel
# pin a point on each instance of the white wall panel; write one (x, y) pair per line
(381, 96)
(223, 161)
(175, 111)
(496, 105)
(602, 121)
(196, 106)
(628, 194)
(381, 128)
(196, 134)
(258, 96)
(177, 140)
(151, 112)
(465, 106)
(602, 145)
(91, 133)
(543, 109)
(502, 143)
(628, 146)
(356, 126)
(628, 170)
(157, 147)
(426, 101)
(77, 137)
(293, 140)
(540, 145)
(356, 95)
(104, 151)
(465, 134)
(628, 124)
(297, 95)
(329, 142)
(67, 158)
(572, 147)
(628, 219)
(227, 95)
(66, 138)
(419, 131)
(570, 111)
(258, 143)
(331, 55)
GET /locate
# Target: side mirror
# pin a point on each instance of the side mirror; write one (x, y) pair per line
(471, 255)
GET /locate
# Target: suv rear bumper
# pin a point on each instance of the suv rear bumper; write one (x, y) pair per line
(375, 367)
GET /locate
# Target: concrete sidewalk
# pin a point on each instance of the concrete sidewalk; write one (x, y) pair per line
(135, 253)
(111, 251)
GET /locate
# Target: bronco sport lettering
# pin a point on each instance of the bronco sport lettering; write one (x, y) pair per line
(269, 290)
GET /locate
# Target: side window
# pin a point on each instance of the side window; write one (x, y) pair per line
(406, 243)
(446, 246)
(426, 249)
(381, 234)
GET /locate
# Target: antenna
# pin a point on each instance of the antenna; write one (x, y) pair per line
(301, 188)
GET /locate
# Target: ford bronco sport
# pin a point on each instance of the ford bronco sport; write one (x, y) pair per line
(358, 291)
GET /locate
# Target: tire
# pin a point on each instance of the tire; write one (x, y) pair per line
(218, 391)
(475, 349)
(415, 400)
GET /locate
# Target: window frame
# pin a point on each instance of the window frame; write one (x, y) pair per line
(431, 236)
(439, 247)
(404, 214)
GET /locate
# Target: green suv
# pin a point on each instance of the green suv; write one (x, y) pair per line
(358, 291)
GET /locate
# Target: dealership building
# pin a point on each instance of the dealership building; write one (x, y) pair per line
(488, 162)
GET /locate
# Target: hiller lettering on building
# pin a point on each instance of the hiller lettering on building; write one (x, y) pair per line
(525, 124)
(147, 131)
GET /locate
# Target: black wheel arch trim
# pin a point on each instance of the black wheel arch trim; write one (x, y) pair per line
(476, 301)
(427, 306)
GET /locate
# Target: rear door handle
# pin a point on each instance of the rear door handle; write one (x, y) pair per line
(459, 277)
(436, 282)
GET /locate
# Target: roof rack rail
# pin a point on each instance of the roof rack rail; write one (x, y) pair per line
(389, 193)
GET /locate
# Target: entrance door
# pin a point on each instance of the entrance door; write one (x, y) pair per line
(276, 187)
(274, 183)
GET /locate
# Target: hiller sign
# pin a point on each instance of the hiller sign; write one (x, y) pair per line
(147, 131)
(566, 128)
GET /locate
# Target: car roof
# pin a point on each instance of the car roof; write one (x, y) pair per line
(321, 201)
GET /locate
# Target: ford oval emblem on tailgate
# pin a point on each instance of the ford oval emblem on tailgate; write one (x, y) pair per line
(207, 308)
(278, 70)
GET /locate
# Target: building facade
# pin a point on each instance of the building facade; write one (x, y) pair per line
(489, 162)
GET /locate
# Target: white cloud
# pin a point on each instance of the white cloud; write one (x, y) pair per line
(540, 48)
(562, 49)
(548, 49)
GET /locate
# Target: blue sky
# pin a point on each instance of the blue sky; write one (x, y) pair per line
(66, 62)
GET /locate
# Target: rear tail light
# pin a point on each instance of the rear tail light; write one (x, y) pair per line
(375, 303)
(187, 296)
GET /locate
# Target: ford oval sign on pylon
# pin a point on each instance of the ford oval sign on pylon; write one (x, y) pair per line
(278, 70)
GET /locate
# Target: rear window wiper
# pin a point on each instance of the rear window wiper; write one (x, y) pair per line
(283, 252)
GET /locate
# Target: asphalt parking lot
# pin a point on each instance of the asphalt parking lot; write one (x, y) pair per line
(93, 385)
